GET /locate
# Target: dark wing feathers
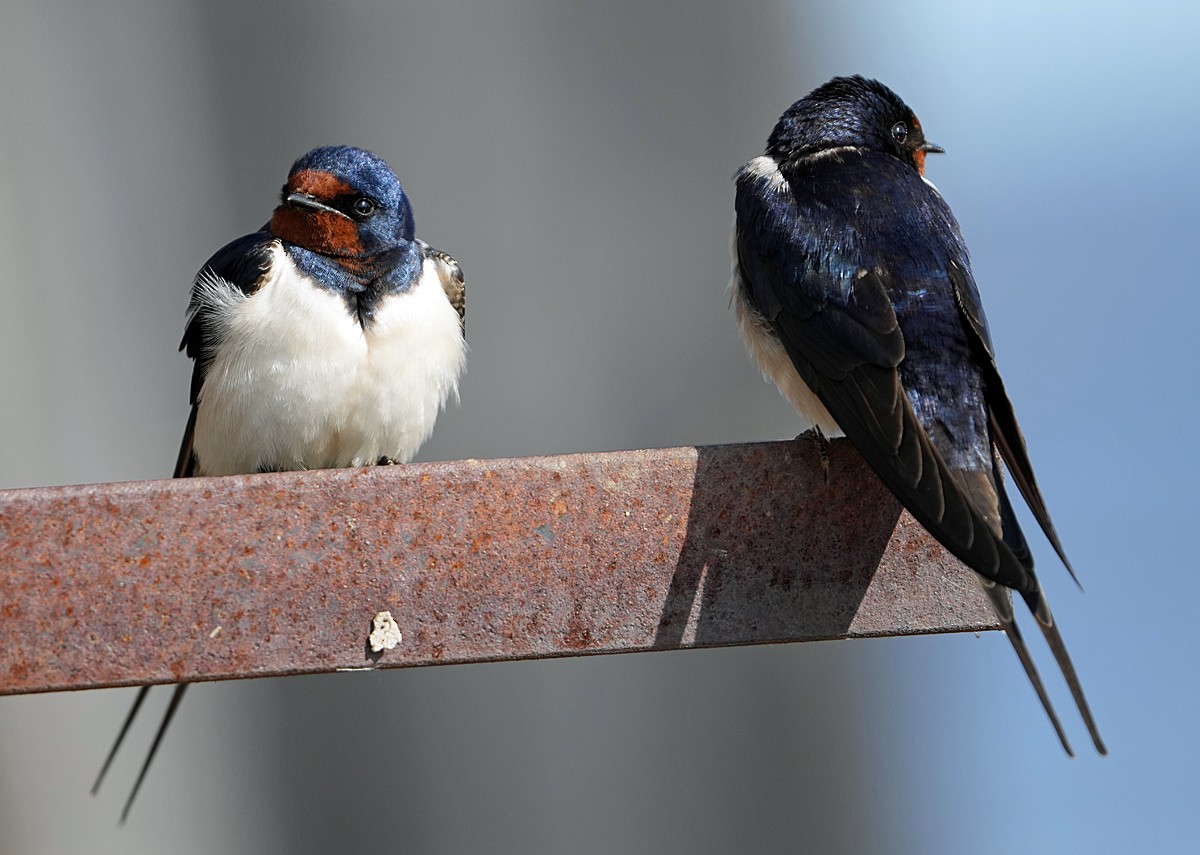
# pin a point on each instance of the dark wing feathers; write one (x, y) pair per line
(839, 309)
(1006, 433)
(185, 463)
(240, 264)
(836, 319)
(907, 462)
(453, 284)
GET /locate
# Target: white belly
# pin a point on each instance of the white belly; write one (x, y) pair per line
(299, 384)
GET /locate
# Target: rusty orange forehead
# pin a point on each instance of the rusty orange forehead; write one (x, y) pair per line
(319, 184)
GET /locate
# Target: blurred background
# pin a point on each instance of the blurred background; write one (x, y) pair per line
(577, 160)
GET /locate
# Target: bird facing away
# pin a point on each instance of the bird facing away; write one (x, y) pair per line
(854, 293)
(331, 337)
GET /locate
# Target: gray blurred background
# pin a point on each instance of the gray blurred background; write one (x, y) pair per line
(576, 159)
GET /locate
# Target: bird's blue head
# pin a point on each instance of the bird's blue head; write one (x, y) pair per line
(850, 112)
(344, 202)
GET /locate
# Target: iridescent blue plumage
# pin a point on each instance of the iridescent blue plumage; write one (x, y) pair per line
(850, 263)
(368, 282)
(369, 175)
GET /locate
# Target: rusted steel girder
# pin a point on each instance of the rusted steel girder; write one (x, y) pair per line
(476, 560)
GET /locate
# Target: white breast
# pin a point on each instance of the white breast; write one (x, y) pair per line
(297, 383)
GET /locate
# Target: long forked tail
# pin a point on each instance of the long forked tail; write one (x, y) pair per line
(998, 596)
(1045, 620)
(133, 711)
(185, 467)
(176, 698)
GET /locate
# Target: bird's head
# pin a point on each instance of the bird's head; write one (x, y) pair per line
(344, 202)
(851, 112)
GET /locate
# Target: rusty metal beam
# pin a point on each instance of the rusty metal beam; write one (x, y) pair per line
(476, 560)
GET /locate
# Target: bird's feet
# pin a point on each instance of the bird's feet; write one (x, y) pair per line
(814, 436)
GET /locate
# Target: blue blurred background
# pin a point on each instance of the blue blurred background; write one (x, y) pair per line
(576, 159)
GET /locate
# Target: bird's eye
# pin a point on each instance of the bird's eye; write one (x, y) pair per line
(900, 132)
(364, 207)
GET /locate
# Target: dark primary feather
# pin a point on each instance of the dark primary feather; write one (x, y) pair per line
(1005, 431)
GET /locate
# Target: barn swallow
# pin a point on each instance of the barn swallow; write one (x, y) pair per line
(332, 337)
(854, 293)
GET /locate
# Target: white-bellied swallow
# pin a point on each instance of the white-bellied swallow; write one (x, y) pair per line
(854, 294)
(332, 337)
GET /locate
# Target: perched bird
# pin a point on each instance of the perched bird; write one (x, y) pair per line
(330, 338)
(853, 291)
